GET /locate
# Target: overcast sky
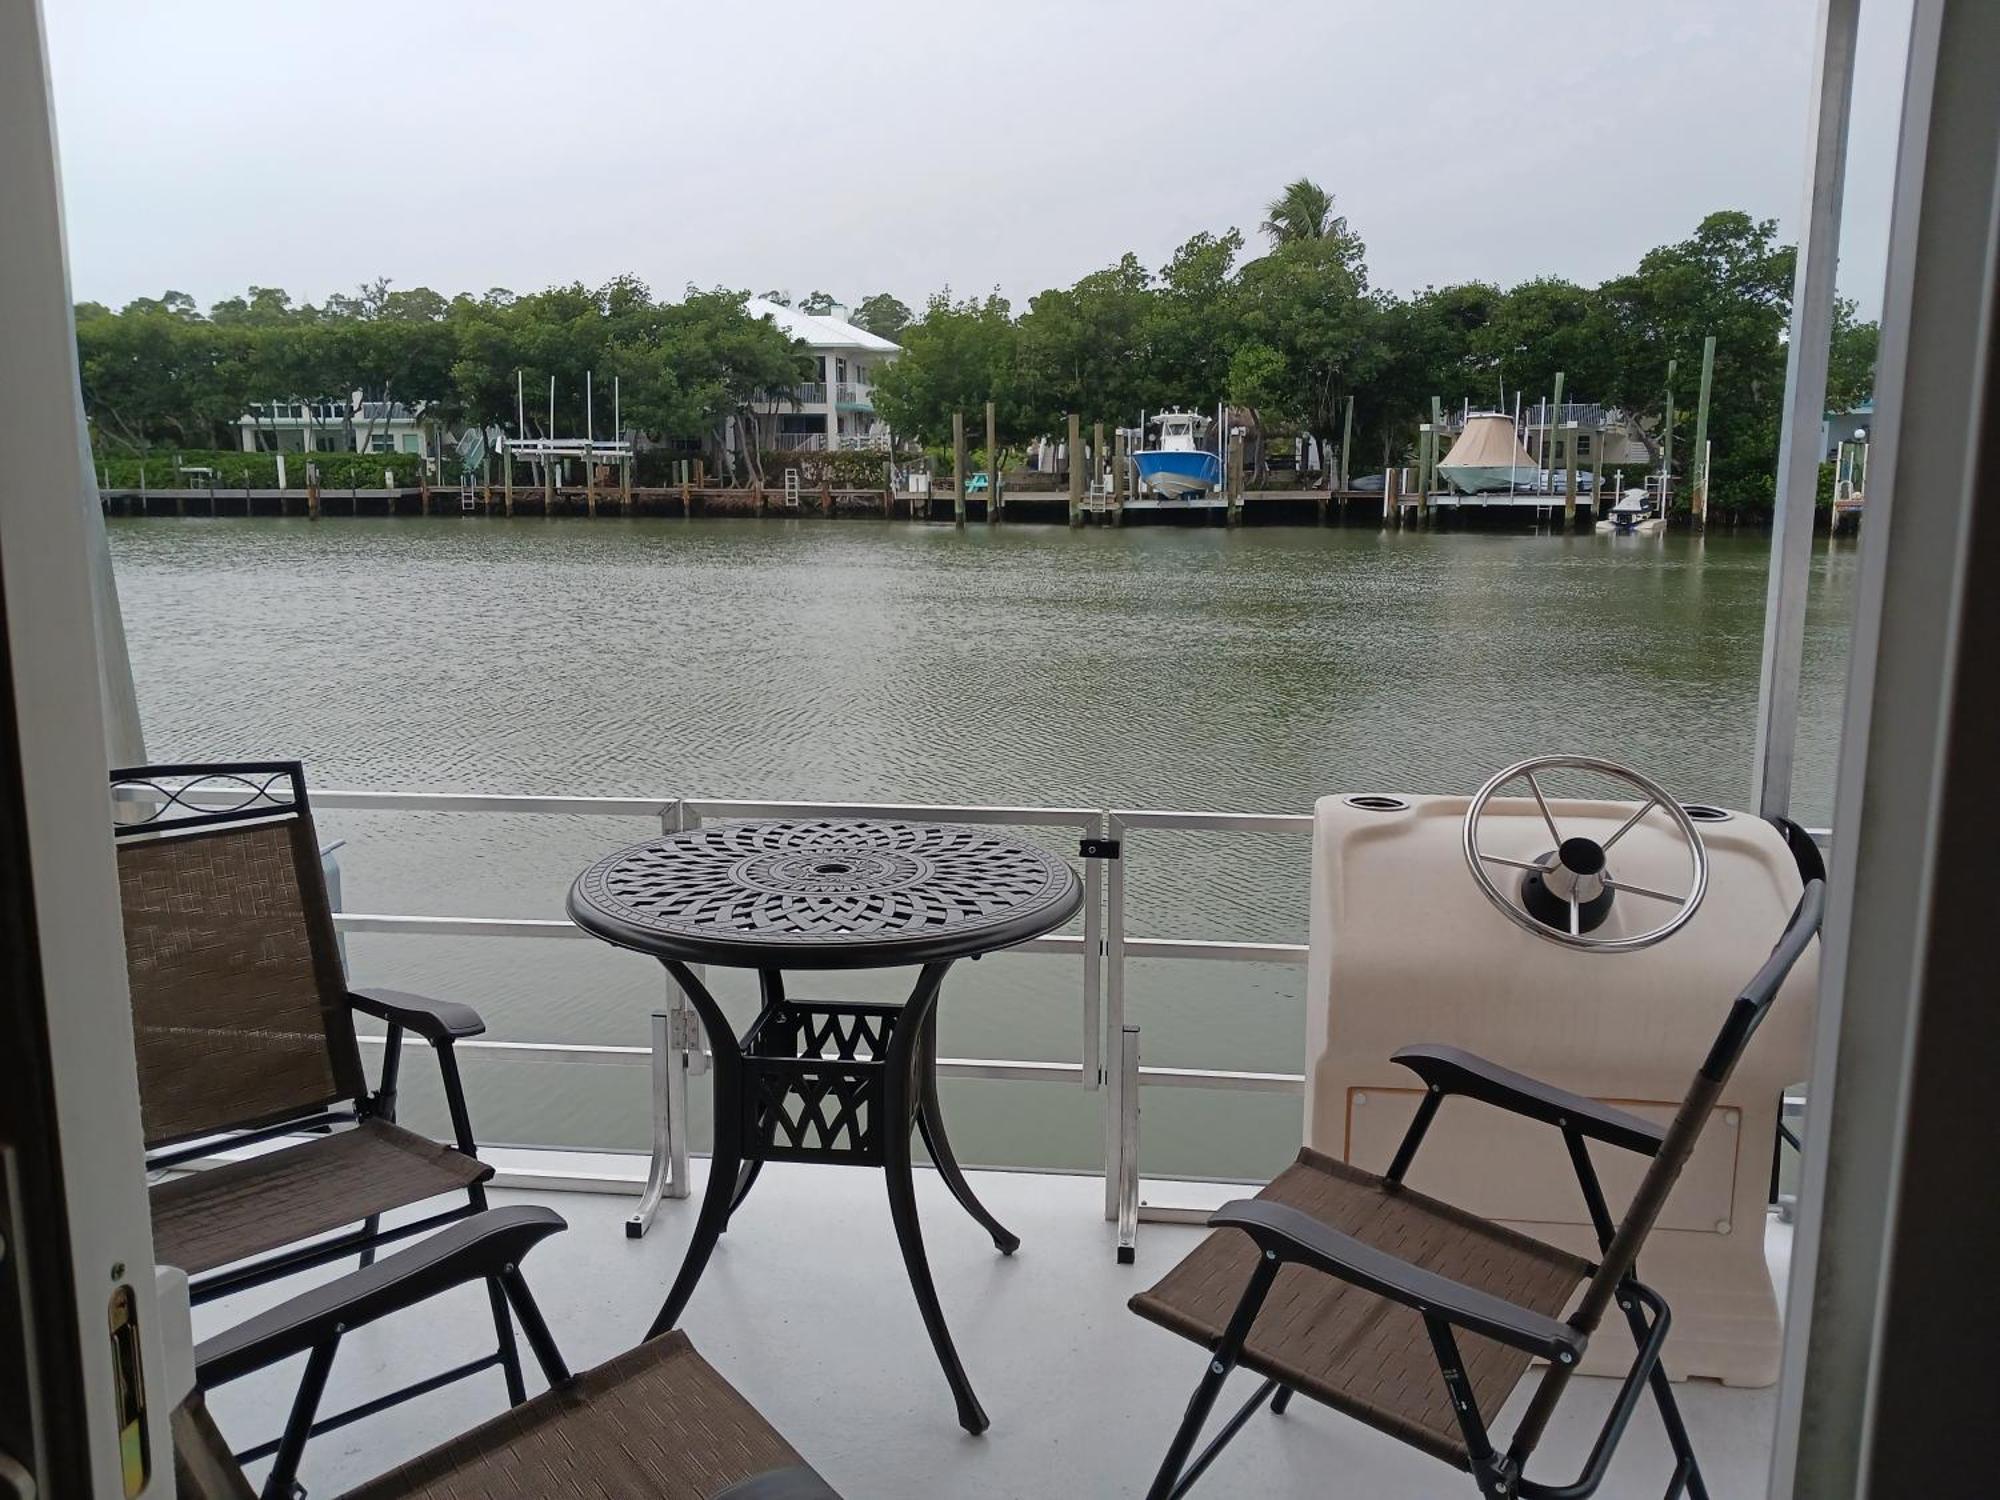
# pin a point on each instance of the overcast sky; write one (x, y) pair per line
(907, 144)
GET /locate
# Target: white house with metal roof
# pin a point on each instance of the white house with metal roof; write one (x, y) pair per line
(838, 409)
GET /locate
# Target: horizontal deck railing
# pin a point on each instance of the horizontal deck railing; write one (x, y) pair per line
(1108, 1052)
(1105, 946)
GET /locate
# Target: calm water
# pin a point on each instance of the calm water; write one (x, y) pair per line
(1250, 671)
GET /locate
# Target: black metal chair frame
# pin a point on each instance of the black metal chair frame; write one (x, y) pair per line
(271, 790)
(485, 1247)
(1287, 1236)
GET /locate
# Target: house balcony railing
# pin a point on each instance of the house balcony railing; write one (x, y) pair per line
(850, 394)
(799, 442)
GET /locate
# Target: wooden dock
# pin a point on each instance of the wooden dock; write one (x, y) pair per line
(1265, 507)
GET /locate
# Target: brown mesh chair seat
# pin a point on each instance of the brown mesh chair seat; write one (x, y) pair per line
(654, 1423)
(1360, 1353)
(229, 1213)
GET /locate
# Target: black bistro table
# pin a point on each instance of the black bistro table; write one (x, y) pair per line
(818, 1080)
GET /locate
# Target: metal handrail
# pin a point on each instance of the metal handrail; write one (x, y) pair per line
(1104, 945)
(1108, 1058)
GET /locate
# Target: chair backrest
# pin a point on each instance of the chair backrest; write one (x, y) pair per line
(239, 1002)
(1745, 1015)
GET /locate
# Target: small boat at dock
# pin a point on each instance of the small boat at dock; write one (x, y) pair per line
(1488, 456)
(1177, 467)
(1633, 516)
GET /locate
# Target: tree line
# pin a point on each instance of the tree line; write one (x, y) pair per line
(161, 373)
(1292, 333)
(1295, 332)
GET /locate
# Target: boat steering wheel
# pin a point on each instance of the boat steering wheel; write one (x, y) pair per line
(1567, 893)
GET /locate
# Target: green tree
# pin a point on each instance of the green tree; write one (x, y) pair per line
(1086, 348)
(958, 356)
(817, 304)
(1310, 335)
(883, 315)
(1304, 211)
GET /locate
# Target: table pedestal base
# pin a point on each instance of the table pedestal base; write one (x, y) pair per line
(837, 1083)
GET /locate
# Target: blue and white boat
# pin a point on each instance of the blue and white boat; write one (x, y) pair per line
(1177, 467)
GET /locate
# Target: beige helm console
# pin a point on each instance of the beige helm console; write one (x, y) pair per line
(1599, 958)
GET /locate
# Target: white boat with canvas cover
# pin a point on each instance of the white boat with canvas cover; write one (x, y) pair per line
(1488, 456)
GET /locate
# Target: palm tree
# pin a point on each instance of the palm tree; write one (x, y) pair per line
(1304, 211)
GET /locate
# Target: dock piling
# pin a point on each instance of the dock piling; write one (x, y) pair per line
(1075, 461)
(1698, 462)
(958, 468)
(993, 500)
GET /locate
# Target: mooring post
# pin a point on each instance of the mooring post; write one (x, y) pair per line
(1099, 477)
(1569, 477)
(1234, 436)
(1346, 447)
(958, 467)
(1667, 441)
(1392, 508)
(993, 497)
(1075, 451)
(1121, 481)
(1698, 462)
(1431, 464)
(548, 486)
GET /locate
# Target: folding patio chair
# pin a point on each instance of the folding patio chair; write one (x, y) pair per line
(244, 1031)
(654, 1423)
(1420, 1319)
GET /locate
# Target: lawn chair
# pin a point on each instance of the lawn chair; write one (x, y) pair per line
(655, 1423)
(243, 1027)
(1420, 1319)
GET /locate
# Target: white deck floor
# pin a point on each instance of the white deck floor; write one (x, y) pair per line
(805, 1308)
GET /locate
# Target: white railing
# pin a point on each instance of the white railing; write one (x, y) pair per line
(799, 442)
(1108, 1055)
(846, 393)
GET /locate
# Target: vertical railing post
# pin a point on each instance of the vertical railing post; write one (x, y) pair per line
(675, 1046)
(1114, 1012)
(1128, 1141)
(1093, 962)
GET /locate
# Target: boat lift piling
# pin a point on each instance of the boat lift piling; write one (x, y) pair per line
(1075, 460)
(1667, 443)
(1698, 490)
(958, 468)
(1100, 468)
(993, 500)
(1549, 454)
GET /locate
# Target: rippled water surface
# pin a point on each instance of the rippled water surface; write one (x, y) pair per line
(1250, 670)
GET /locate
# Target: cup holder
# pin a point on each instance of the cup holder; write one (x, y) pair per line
(1377, 803)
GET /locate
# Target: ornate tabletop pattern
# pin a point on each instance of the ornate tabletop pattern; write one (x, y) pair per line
(824, 893)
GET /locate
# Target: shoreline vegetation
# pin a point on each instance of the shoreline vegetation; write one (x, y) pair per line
(1290, 334)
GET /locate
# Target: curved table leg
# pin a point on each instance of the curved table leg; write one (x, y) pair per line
(745, 1180)
(904, 1093)
(930, 1124)
(725, 1164)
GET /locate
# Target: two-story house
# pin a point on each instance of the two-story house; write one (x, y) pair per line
(838, 409)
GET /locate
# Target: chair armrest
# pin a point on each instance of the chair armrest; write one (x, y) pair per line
(1451, 1070)
(470, 1250)
(1296, 1236)
(436, 1021)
